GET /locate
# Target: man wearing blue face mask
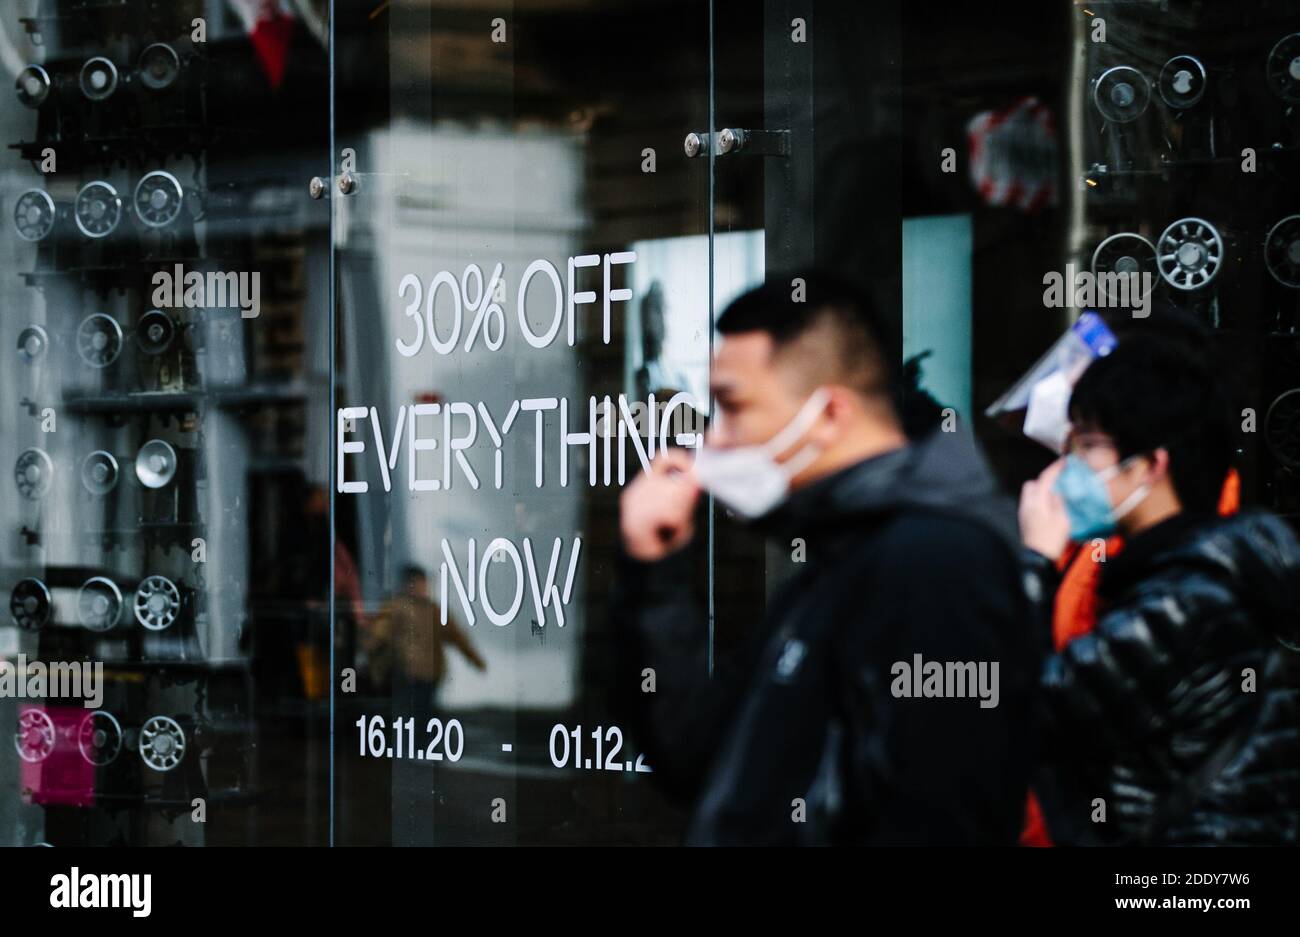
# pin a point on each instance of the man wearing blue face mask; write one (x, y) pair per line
(817, 725)
(1174, 720)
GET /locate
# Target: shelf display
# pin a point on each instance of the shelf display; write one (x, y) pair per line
(135, 419)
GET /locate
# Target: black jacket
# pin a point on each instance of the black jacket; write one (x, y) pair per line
(910, 553)
(1153, 716)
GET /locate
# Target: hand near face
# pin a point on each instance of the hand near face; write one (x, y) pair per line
(1044, 523)
(657, 511)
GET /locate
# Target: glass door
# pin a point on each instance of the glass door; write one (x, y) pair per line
(521, 271)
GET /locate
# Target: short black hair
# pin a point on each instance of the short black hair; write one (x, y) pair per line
(411, 572)
(789, 306)
(1162, 387)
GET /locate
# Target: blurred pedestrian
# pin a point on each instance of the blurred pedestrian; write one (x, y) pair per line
(818, 728)
(407, 646)
(1173, 720)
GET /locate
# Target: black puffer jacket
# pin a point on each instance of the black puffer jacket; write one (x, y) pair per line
(1155, 713)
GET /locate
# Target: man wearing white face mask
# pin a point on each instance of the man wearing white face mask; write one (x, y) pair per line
(806, 732)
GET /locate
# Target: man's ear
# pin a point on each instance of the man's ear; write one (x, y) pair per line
(835, 402)
(841, 407)
(1159, 464)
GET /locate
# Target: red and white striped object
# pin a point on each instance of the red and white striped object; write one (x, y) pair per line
(1014, 155)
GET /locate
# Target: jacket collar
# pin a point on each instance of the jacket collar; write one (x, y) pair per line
(1149, 550)
(943, 471)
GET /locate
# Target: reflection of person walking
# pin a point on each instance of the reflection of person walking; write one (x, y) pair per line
(407, 646)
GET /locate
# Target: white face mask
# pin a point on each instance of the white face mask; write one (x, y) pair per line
(1135, 497)
(748, 479)
(1047, 419)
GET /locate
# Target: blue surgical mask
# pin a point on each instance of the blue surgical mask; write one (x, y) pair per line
(1087, 501)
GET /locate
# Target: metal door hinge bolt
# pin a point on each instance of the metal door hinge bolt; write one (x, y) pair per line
(696, 144)
(737, 140)
(757, 142)
(316, 188)
(347, 183)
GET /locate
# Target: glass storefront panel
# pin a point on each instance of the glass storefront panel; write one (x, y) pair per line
(608, 176)
(333, 332)
(166, 369)
(519, 268)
